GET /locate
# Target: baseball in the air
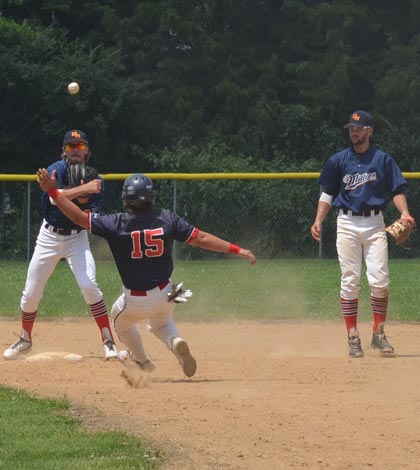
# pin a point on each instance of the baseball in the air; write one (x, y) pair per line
(73, 88)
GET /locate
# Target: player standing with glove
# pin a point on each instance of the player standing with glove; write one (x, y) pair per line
(141, 242)
(359, 182)
(60, 238)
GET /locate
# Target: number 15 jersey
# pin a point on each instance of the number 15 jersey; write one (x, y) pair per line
(141, 243)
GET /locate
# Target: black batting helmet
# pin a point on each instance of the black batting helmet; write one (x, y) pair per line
(138, 192)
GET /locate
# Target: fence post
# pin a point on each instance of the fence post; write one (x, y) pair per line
(174, 186)
(320, 250)
(28, 224)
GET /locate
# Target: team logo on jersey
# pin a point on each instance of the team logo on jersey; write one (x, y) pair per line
(358, 179)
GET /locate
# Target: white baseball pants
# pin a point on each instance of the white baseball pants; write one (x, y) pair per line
(129, 310)
(49, 250)
(361, 238)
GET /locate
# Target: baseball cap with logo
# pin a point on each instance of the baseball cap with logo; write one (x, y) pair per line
(75, 136)
(360, 119)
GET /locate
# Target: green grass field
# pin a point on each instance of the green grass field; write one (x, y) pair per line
(228, 289)
(40, 435)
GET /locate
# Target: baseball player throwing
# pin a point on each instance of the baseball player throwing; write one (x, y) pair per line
(359, 182)
(141, 243)
(60, 238)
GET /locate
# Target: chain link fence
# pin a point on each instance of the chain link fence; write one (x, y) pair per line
(270, 216)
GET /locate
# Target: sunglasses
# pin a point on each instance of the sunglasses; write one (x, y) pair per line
(77, 146)
(358, 129)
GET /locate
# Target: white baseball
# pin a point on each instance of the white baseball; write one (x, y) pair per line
(73, 88)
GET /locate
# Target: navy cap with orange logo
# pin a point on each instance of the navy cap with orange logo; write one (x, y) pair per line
(360, 119)
(75, 136)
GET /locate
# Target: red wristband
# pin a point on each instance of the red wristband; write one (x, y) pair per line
(235, 249)
(53, 193)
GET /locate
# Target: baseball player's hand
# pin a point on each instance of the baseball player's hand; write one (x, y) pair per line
(92, 187)
(409, 218)
(178, 295)
(247, 254)
(45, 180)
(316, 231)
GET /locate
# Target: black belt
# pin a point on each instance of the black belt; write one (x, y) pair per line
(363, 213)
(62, 231)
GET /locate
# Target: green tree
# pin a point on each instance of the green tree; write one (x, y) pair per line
(272, 79)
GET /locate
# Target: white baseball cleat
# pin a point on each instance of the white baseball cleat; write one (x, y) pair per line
(110, 350)
(126, 357)
(17, 349)
(182, 352)
(146, 366)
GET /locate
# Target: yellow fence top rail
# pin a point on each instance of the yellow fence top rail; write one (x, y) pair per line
(202, 176)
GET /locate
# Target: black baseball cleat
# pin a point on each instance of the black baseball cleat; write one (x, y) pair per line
(380, 341)
(355, 345)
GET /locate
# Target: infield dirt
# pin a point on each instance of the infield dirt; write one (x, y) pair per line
(266, 395)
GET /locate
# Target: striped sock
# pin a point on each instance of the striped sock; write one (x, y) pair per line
(379, 308)
(349, 310)
(100, 314)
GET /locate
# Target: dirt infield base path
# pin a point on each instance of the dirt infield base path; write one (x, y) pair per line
(265, 396)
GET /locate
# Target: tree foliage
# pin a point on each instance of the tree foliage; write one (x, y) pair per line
(274, 80)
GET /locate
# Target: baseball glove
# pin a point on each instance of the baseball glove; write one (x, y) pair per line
(178, 295)
(80, 174)
(400, 230)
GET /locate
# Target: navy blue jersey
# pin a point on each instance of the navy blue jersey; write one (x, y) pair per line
(141, 244)
(361, 182)
(52, 214)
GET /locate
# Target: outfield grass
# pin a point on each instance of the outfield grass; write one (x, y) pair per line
(229, 289)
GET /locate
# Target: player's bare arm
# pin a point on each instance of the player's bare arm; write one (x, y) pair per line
(211, 242)
(81, 191)
(92, 187)
(400, 202)
(321, 213)
(68, 208)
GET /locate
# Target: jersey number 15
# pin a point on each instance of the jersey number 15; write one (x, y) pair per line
(152, 246)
